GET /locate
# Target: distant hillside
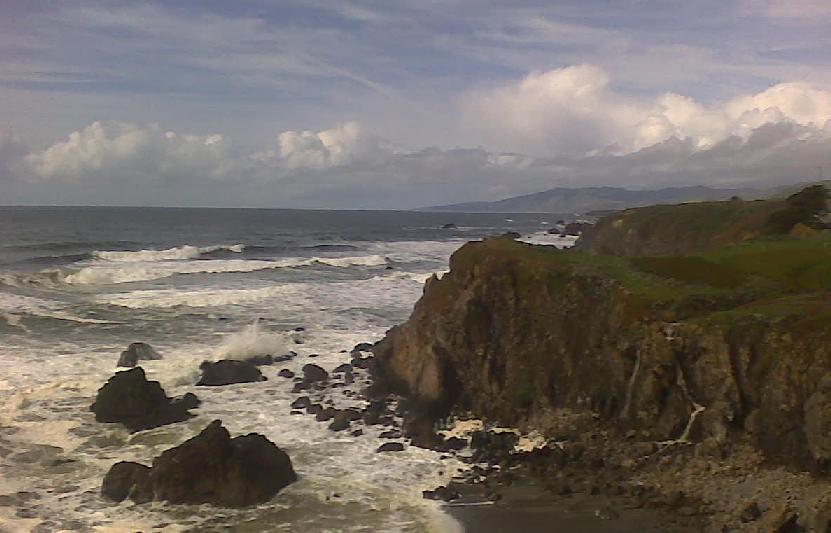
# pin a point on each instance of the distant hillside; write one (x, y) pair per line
(582, 200)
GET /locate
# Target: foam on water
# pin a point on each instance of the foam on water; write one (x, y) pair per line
(230, 308)
(252, 341)
(182, 252)
(105, 272)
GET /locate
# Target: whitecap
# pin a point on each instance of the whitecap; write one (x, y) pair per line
(182, 252)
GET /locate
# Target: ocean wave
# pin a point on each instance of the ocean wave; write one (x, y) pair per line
(168, 298)
(106, 272)
(384, 288)
(182, 252)
(13, 306)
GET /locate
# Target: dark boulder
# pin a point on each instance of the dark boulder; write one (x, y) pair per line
(343, 418)
(228, 371)
(390, 447)
(127, 479)
(285, 373)
(362, 347)
(187, 401)
(301, 403)
(214, 468)
(325, 414)
(341, 369)
(449, 225)
(137, 351)
(313, 373)
(129, 398)
(339, 424)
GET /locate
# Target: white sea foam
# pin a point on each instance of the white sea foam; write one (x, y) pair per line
(182, 252)
(103, 273)
(250, 341)
(14, 306)
(339, 308)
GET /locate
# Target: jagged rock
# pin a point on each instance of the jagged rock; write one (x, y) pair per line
(187, 401)
(227, 372)
(513, 331)
(129, 398)
(127, 479)
(137, 351)
(285, 373)
(390, 447)
(214, 468)
(301, 403)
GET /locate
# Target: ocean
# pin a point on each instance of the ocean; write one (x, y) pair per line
(78, 284)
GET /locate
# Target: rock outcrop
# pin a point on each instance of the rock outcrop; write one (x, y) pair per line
(137, 351)
(227, 372)
(513, 331)
(209, 468)
(130, 399)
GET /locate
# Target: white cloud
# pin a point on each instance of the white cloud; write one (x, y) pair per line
(750, 140)
(573, 110)
(119, 150)
(323, 149)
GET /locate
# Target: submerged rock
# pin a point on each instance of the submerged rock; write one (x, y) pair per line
(137, 351)
(209, 468)
(227, 372)
(130, 399)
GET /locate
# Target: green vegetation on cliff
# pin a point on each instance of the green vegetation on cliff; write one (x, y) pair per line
(674, 229)
(700, 327)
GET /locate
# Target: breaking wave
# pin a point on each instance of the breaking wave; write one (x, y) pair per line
(109, 272)
(182, 252)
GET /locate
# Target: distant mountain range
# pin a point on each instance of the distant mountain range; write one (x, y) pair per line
(582, 200)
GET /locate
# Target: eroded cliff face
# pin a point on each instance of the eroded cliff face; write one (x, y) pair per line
(514, 330)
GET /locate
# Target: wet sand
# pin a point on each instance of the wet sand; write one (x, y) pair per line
(526, 507)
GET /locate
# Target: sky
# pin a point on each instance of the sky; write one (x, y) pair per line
(388, 104)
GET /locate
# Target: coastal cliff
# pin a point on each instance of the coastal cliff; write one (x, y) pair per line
(730, 345)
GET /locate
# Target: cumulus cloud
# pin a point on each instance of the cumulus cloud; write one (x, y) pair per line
(566, 127)
(119, 150)
(323, 149)
(574, 110)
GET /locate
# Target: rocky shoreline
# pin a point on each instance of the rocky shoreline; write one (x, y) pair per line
(695, 380)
